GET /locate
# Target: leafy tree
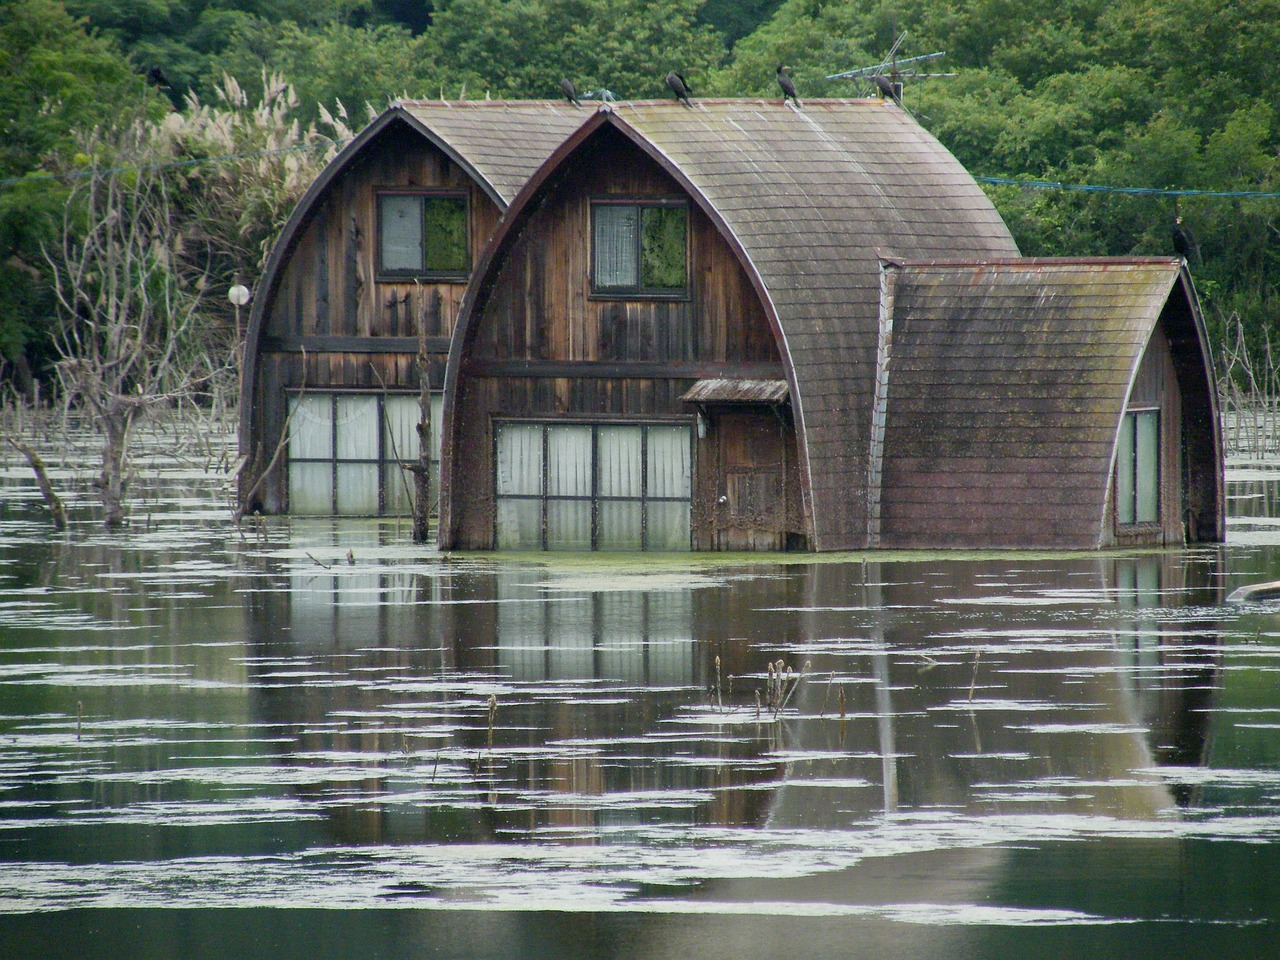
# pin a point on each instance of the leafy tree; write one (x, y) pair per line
(522, 48)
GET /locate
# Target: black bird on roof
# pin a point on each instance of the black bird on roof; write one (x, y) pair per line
(570, 91)
(1184, 241)
(885, 86)
(787, 85)
(679, 87)
(156, 76)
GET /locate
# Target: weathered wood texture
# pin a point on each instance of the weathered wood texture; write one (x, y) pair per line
(1007, 381)
(587, 356)
(806, 201)
(324, 320)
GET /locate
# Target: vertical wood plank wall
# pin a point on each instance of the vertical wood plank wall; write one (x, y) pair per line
(540, 309)
(328, 287)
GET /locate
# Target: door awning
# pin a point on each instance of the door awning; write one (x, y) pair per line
(737, 391)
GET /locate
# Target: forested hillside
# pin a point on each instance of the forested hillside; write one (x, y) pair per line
(1175, 97)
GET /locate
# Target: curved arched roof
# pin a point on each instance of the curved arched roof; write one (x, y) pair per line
(1006, 383)
(809, 198)
(499, 143)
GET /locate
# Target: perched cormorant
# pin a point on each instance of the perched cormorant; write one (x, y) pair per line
(885, 86)
(1183, 241)
(788, 87)
(679, 87)
(156, 76)
(570, 91)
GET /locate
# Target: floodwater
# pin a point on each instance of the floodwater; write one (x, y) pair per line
(312, 739)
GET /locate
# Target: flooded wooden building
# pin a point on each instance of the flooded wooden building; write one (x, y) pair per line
(370, 270)
(750, 326)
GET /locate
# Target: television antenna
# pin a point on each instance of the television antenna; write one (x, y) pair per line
(887, 75)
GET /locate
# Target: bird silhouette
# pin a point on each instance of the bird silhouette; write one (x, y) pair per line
(156, 76)
(885, 86)
(1184, 241)
(787, 85)
(679, 87)
(570, 91)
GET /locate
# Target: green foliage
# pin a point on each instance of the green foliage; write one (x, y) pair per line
(522, 48)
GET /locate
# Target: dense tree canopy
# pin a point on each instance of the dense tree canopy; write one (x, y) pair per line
(1170, 95)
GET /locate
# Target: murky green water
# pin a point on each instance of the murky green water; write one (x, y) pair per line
(314, 740)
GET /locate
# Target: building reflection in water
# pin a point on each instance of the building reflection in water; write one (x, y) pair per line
(964, 689)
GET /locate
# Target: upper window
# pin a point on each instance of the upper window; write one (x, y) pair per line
(422, 235)
(639, 249)
(1138, 468)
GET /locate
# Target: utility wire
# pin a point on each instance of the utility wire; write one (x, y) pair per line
(80, 174)
(1132, 191)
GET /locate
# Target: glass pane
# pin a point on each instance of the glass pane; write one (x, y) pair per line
(519, 525)
(1147, 466)
(400, 434)
(615, 226)
(668, 462)
(400, 223)
(397, 485)
(619, 465)
(445, 227)
(568, 525)
(358, 489)
(519, 459)
(569, 461)
(311, 489)
(311, 427)
(1124, 472)
(357, 428)
(668, 526)
(619, 525)
(662, 248)
(437, 423)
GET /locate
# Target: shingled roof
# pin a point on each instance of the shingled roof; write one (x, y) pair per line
(1006, 382)
(810, 199)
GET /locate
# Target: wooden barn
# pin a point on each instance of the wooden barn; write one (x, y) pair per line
(369, 271)
(748, 326)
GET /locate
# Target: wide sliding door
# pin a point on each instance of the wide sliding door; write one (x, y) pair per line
(593, 486)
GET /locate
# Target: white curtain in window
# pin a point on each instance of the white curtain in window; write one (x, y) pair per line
(311, 427)
(1147, 466)
(519, 473)
(615, 245)
(357, 489)
(356, 424)
(311, 489)
(401, 227)
(668, 462)
(619, 525)
(1125, 471)
(568, 461)
(668, 526)
(619, 463)
(400, 440)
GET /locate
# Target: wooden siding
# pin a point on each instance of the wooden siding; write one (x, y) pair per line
(539, 318)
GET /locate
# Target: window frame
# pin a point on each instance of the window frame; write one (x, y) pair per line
(595, 498)
(1132, 414)
(385, 458)
(422, 273)
(639, 291)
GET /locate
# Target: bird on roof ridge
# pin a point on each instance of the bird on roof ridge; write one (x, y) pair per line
(885, 86)
(570, 92)
(680, 87)
(788, 86)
